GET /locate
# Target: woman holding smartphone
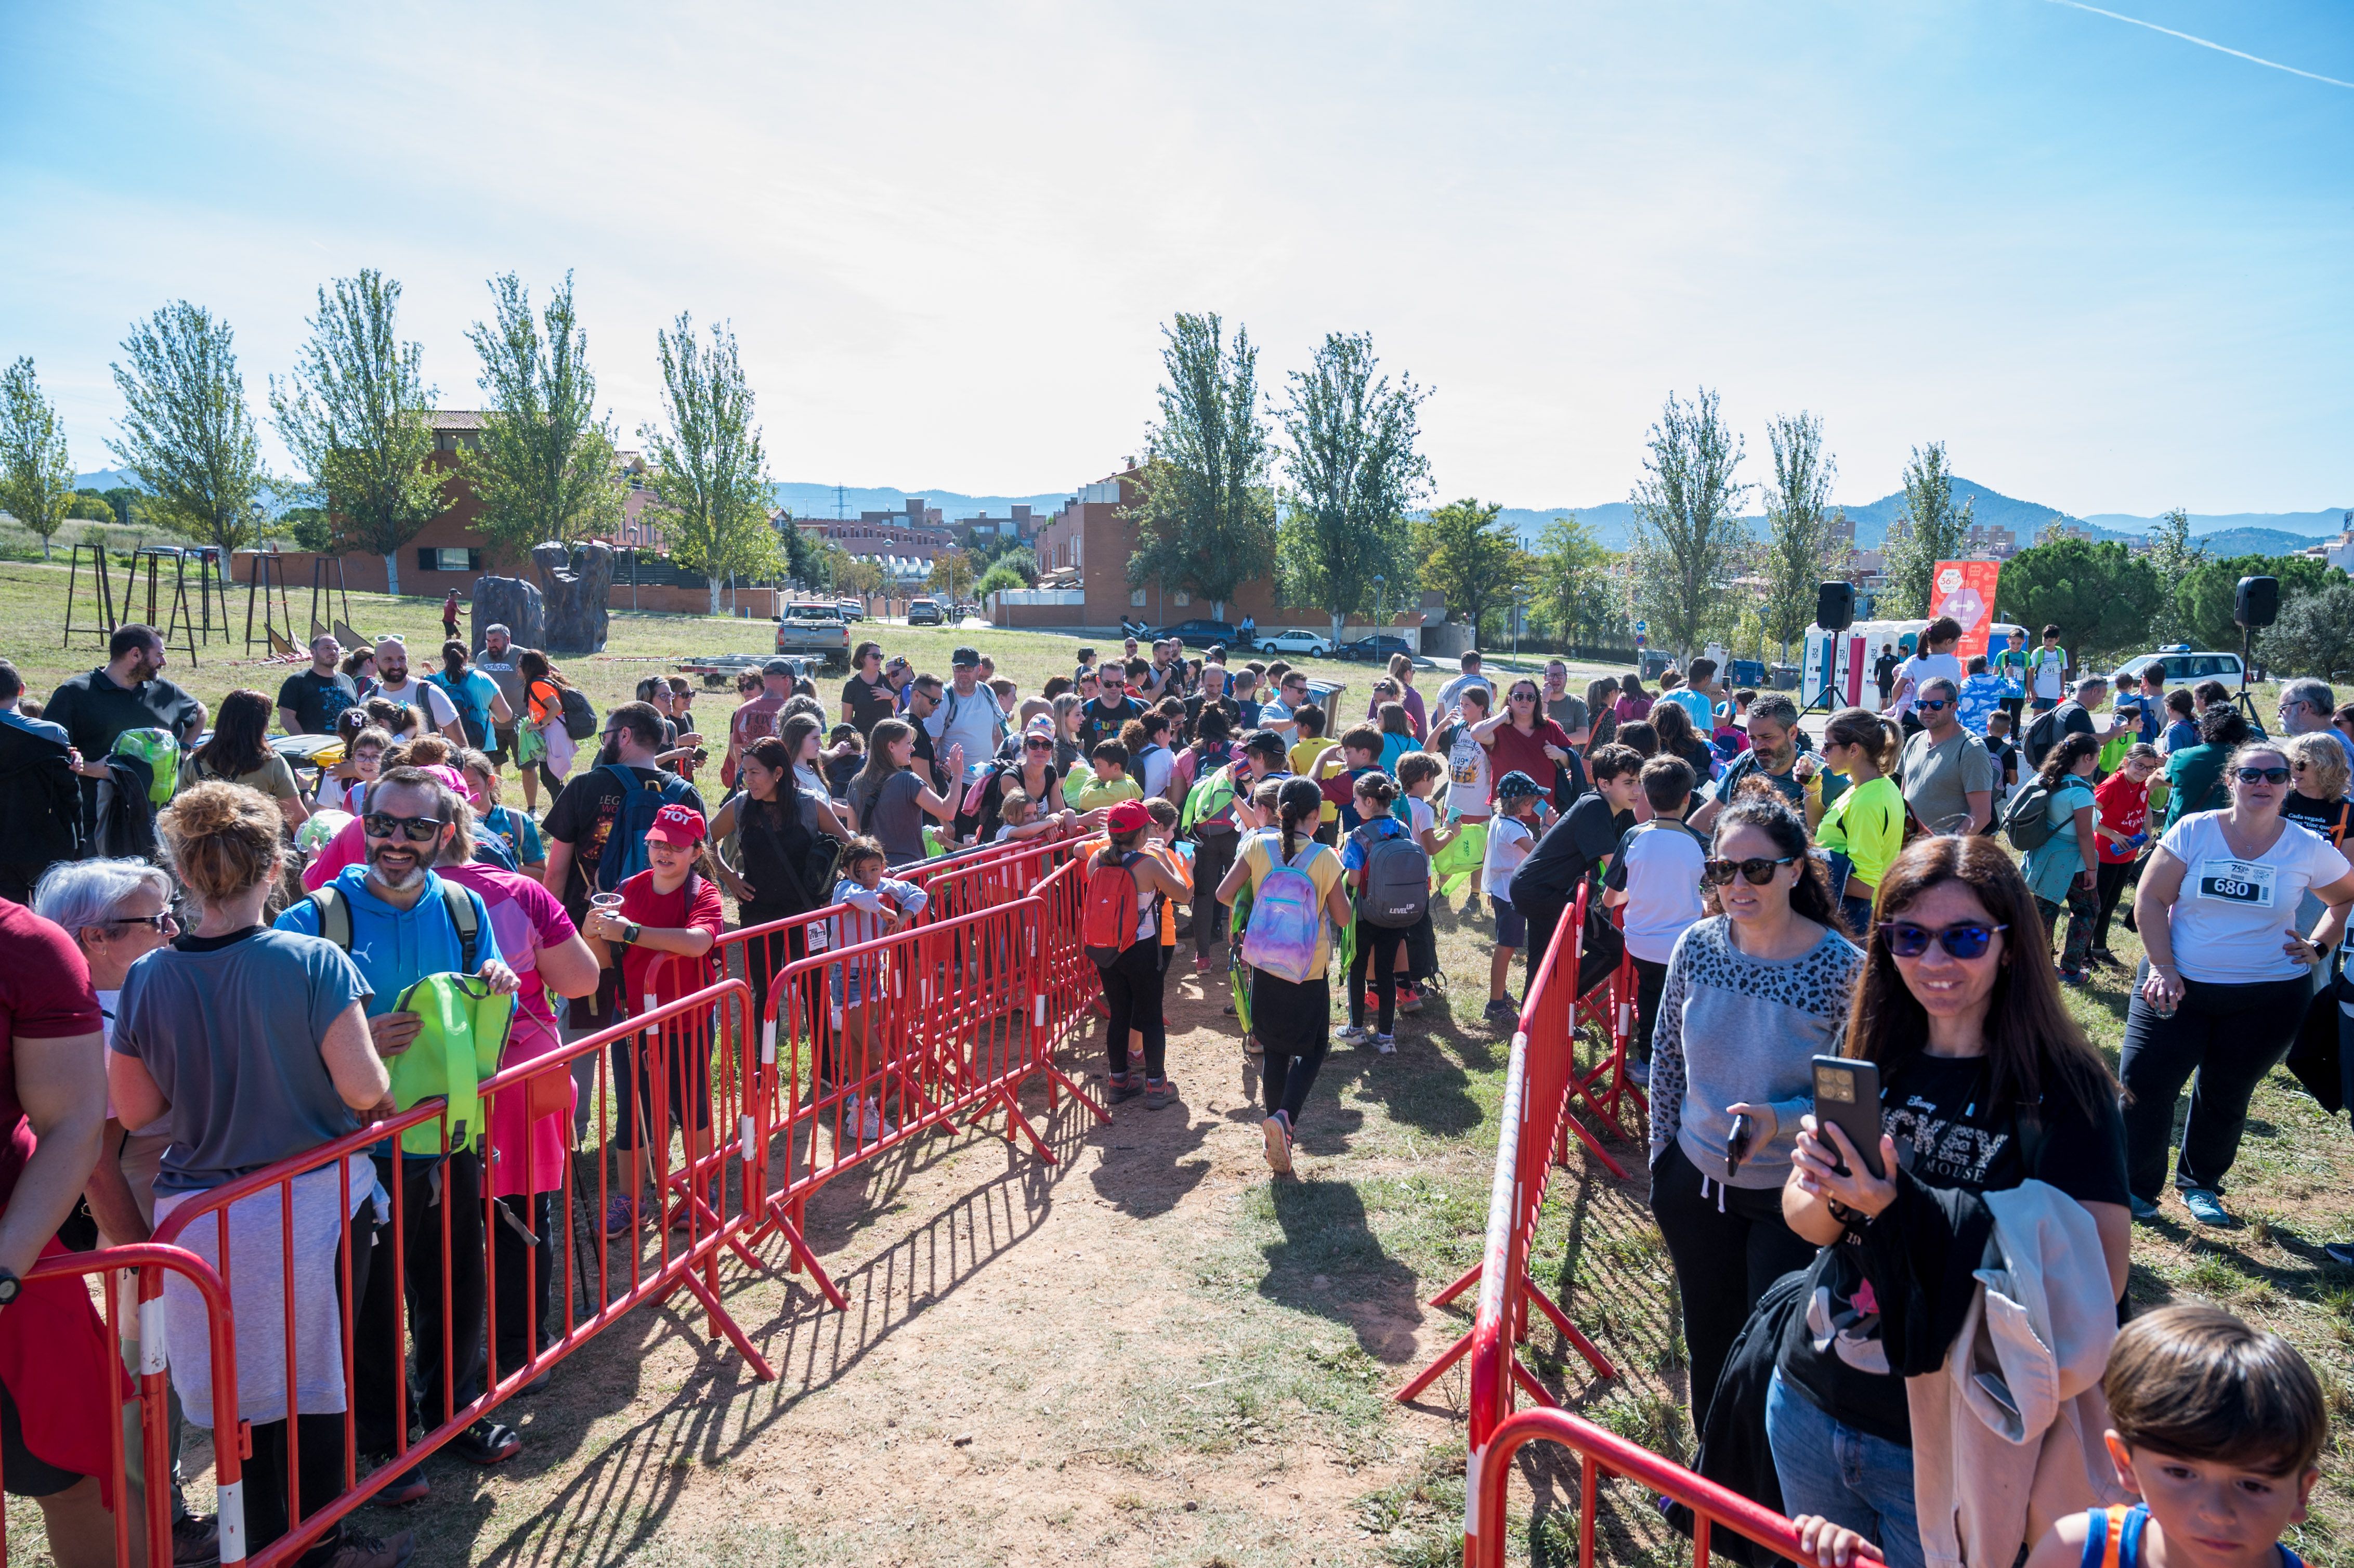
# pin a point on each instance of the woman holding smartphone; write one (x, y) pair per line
(1752, 996)
(1984, 1083)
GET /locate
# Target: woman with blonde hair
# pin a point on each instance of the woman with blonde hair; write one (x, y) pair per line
(275, 1016)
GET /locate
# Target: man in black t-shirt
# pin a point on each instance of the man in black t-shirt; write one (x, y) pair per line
(923, 696)
(1101, 719)
(127, 692)
(309, 700)
(1575, 847)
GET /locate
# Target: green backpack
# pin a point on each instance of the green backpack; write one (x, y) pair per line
(465, 1034)
(161, 753)
(1208, 809)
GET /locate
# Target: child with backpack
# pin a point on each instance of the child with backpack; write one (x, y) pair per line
(2217, 1428)
(2063, 869)
(1418, 773)
(2120, 832)
(1389, 871)
(1297, 899)
(1121, 926)
(1512, 834)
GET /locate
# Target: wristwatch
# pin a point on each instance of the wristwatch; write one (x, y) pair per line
(9, 1286)
(630, 933)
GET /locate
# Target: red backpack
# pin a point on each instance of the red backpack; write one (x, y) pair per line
(1107, 921)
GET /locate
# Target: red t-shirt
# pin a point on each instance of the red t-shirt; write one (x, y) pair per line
(2124, 809)
(1509, 750)
(44, 995)
(696, 903)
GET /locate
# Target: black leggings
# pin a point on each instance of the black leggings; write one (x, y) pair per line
(1378, 945)
(1213, 856)
(1725, 1258)
(1131, 988)
(317, 1441)
(1651, 981)
(2231, 1036)
(1293, 1024)
(2112, 880)
(549, 781)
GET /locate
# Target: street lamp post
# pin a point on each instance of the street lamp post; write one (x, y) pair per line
(1380, 602)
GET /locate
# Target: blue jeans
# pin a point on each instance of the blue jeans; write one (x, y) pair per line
(1848, 1477)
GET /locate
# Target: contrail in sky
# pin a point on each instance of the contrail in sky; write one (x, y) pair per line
(2204, 43)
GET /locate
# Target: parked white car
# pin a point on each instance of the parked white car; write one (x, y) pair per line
(2187, 667)
(1306, 642)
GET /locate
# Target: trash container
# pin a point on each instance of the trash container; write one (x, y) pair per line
(1330, 695)
(1746, 671)
(1786, 677)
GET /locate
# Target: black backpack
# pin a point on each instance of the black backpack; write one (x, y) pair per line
(2043, 735)
(580, 718)
(39, 799)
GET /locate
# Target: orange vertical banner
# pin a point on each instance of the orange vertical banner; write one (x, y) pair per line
(1965, 590)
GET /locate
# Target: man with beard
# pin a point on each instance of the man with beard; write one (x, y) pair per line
(400, 922)
(497, 660)
(1776, 745)
(394, 684)
(127, 692)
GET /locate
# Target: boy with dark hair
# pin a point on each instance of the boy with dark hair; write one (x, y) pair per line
(1111, 783)
(1656, 874)
(1358, 753)
(1583, 839)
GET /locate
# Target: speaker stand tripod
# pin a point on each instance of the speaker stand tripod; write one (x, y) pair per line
(2245, 704)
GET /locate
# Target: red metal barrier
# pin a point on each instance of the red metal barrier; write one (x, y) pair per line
(668, 1070)
(1601, 1454)
(1538, 1078)
(150, 1261)
(868, 1046)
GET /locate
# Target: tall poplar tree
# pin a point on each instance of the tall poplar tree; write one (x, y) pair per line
(1931, 530)
(1205, 520)
(1689, 541)
(36, 477)
(359, 416)
(1798, 525)
(545, 467)
(188, 434)
(1355, 474)
(710, 475)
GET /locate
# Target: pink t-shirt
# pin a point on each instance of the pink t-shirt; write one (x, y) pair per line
(525, 918)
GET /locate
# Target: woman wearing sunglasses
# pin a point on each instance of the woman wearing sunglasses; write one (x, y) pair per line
(2228, 976)
(2062, 872)
(1521, 739)
(1863, 827)
(1752, 996)
(1985, 1082)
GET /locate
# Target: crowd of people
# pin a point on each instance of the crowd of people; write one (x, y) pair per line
(185, 911)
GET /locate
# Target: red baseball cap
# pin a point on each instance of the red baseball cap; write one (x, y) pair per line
(681, 825)
(1128, 816)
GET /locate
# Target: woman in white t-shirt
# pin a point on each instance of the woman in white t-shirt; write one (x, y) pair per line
(1935, 658)
(2228, 977)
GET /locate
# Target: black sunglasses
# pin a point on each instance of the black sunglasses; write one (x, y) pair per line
(166, 921)
(415, 830)
(1759, 870)
(1037, 743)
(1963, 939)
(1934, 705)
(2268, 775)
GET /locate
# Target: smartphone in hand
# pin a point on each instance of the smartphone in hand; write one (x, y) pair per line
(1736, 1144)
(1847, 1095)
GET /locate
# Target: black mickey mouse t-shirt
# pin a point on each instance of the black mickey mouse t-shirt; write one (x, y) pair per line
(1947, 1135)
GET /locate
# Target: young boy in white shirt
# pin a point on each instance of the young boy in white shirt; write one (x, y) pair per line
(1656, 874)
(1512, 834)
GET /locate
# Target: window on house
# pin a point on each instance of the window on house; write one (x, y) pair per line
(1136, 598)
(1181, 599)
(433, 560)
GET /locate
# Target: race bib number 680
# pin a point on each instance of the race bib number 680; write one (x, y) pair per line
(2236, 882)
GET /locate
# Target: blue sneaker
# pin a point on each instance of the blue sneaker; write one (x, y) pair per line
(2207, 1207)
(2142, 1208)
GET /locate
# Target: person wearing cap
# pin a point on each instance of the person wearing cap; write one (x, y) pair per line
(1133, 981)
(969, 716)
(1031, 773)
(1521, 807)
(757, 717)
(671, 907)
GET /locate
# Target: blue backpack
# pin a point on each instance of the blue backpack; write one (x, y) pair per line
(625, 847)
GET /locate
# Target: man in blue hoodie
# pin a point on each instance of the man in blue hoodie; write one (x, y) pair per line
(401, 922)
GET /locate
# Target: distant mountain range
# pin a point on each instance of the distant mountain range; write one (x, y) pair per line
(2223, 534)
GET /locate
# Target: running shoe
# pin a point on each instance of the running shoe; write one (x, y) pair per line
(1500, 1011)
(1385, 1044)
(2142, 1208)
(1122, 1087)
(1352, 1035)
(2206, 1206)
(195, 1542)
(1409, 998)
(1158, 1092)
(409, 1487)
(487, 1442)
(621, 1214)
(1278, 1128)
(354, 1549)
(871, 1122)
(2341, 1253)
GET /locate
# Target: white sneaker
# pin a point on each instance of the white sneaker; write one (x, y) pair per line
(1385, 1044)
(868, 1117)
(1352, 1034)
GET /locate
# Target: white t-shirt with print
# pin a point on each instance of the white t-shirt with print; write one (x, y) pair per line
(1470, 780)
(2048, 663)
(1657, 867)
(438, 709)
(2231, 916)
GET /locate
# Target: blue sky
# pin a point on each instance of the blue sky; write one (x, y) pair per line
(2113, 269)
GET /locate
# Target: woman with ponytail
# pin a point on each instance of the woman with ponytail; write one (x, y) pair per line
(1864, 827)
(1752, 996)
(1290, 1019)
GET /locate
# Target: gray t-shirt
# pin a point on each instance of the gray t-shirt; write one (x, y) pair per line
(1568, 712)
(503, 671)
(973, 723)
(230, 1034)
(894, 817)
(1939, 775)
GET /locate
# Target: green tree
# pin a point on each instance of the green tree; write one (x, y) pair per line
(126, 502)
(1355, 474)
(188, 435)
(357, 414)
(545, 469)
(36, 469)
(88, 507)
(2099, 595)
(1000, 577)
(1689, 541)
(310, 529)
(951, 573)
(1798, 525)
(2203, 601)
(1573, 582)
(1471, 556)
(1206, 515)
(1932, 529)
(2172, 556)
(2315, 633)
(811, 561)
(709, 472)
